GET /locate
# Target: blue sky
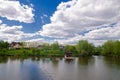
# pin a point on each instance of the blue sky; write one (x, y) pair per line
(64, 21)
(41, 8)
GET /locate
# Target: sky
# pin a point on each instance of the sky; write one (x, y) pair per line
(64, 21)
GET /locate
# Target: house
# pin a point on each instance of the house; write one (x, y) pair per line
(15, 45)
(25, 45)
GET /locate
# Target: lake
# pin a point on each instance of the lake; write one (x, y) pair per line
(83, 68)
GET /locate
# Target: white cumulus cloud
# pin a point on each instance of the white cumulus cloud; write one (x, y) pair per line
(14, 10)
(13, 33)
(84, 19)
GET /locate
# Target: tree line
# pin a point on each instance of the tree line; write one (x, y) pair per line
(82, 48)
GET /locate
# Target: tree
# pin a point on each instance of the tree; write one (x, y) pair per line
(55, 46)
(45, 47)
(84, 48)
(4, 45)
(116, 49)
(98, 50)
(108, 47)
(70, 48)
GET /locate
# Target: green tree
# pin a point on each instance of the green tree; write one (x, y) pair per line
(85, 48)
(55, 46)
(108, 47)
(70, 48)
(98, 50)
(4, 45)
(116, 49)
(45, 48)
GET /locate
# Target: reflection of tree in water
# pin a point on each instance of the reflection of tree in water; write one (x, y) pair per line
(3, 59)
(112, 61)
(21, 58)
(55, 61)
(69, 60)
(35, 58)
(86, 60)
(45, 60)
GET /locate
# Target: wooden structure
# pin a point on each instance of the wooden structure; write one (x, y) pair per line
(68, 55)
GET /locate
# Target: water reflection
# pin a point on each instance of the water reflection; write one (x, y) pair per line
(69, 60)
(37, 68)
(86, 60)
(55, 61)
(111, 61)
(21, 69)
(3, 59)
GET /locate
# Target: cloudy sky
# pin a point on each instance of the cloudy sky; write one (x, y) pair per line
(65, 21)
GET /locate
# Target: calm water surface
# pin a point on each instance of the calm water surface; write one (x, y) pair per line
(83, 68)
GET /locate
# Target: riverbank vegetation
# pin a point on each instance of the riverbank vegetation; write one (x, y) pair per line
(82, 48)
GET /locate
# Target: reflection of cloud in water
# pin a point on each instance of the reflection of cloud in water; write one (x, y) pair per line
(26, 70)
(33, 71)
(82, 68)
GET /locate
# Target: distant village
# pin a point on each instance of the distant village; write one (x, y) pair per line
(26, 45)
